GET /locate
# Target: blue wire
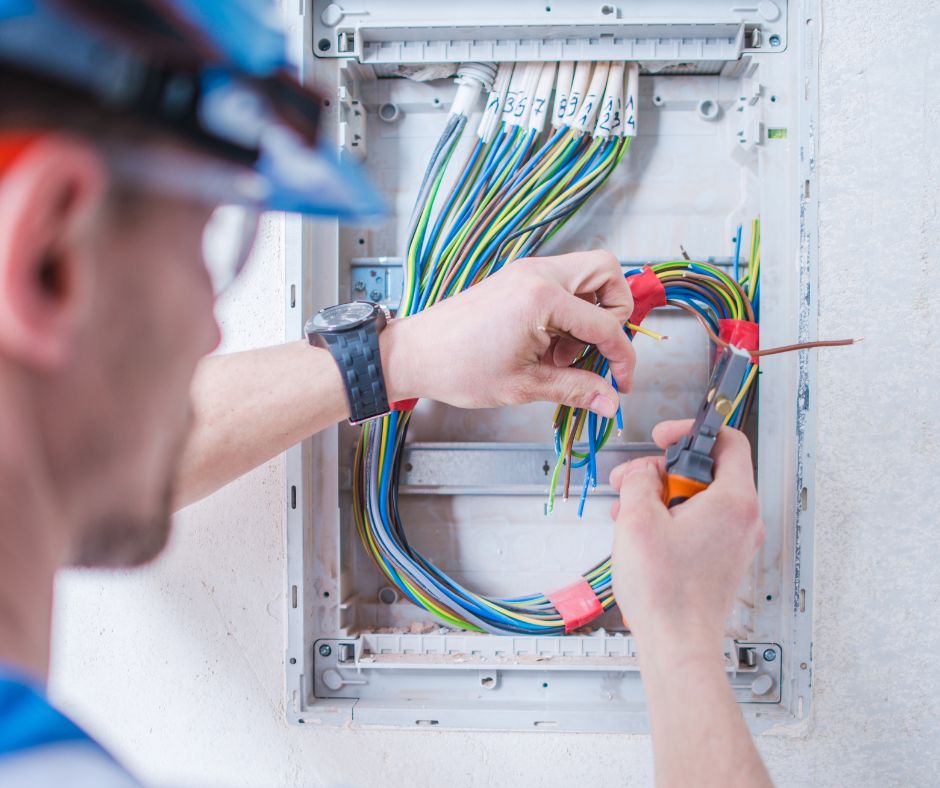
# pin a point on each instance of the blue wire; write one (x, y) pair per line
(737, 255)
(438, 225)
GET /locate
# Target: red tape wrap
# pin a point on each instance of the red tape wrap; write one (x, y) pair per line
(404, 404)
(742, 334)
(576, 604)
(648, 293)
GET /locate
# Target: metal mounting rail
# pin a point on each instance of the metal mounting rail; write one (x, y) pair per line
(497, 468)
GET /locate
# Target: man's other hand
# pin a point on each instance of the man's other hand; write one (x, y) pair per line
(511, 338)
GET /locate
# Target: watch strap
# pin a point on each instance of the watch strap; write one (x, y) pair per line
(360, 363)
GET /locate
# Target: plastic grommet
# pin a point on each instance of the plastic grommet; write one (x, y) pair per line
(708, 109)
(389, 112)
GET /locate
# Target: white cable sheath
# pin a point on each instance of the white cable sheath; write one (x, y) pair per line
(471, 79)
(494, 103)
(579, 84)
(562, 88)
(630, 100)
(540, 102)
(515, 95)
(521, 93)
(593, 97)
(610, 114)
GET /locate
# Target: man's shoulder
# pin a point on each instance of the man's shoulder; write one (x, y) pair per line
(41, 746)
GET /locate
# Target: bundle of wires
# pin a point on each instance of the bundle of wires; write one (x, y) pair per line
(699, 288)
(517, 186)
(718, 301)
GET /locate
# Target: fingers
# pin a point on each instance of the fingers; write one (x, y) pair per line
(579, 389)
(664, 434)
(732, 453)
(598, 272)
(566, 351)
(641, 492)
(617, 474)
(733, 465)
(593, 326)
(668, 432)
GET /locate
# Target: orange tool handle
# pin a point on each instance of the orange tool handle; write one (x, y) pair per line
(680, 488)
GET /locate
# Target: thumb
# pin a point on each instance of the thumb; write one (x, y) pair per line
(641, 492)
(578, 388)
(667, 432)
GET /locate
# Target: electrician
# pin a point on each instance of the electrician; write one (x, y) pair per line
(123, 128)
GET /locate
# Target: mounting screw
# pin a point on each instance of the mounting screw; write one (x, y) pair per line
(360, 285)
(375, 295)
(769, 655)
(325, 650)
(775, 40)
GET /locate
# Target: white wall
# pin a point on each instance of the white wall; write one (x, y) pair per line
(178, 667)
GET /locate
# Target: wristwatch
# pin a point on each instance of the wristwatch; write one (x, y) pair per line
(351, 333)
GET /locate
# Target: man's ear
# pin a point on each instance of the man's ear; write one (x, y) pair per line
(50, 197)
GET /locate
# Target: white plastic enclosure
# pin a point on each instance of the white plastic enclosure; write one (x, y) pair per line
(474, 486)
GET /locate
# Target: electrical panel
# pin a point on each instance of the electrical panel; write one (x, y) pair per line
(725, 111)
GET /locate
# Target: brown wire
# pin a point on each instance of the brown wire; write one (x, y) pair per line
(768, 351)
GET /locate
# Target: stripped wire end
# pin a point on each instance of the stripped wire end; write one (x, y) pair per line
(647, 332)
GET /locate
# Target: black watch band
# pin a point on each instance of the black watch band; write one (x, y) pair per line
(360, 363)
(351, 333)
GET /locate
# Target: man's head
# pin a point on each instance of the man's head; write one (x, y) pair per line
(122, 126)
(105, 309)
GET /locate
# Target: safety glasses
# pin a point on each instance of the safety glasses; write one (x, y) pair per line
(236, 193)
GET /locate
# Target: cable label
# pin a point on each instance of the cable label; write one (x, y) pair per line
(631, 95)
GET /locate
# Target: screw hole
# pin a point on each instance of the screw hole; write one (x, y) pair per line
(326, 593)
(770, 597)
(293, 661)
(658, 101)
(548, 8)
(773, 99)
(409, 467)
(323, 45)
(544, 685)
(362, 241)
(326, 102)
(301, 721)
(775, 41)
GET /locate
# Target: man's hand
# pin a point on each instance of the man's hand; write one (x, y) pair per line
(678, 569)
(510, 339)
(675, 575)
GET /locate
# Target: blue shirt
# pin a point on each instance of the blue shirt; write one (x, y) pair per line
(40, 746)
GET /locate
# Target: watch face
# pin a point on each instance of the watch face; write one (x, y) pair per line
(342, 316)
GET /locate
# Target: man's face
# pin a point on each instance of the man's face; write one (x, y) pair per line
(123, 410)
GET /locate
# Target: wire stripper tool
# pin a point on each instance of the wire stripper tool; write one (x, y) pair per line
(689, 464)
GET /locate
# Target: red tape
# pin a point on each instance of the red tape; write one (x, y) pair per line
(576, 604)
(404, 404)
(742, 334)
(648, 293)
